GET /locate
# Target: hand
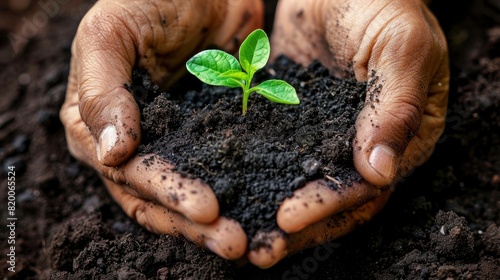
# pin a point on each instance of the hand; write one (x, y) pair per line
(102, 119)
(399, 48)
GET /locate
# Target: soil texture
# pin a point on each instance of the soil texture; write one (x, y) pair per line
(442, 222)
(254, 162)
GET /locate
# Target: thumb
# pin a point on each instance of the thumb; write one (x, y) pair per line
(103, 57)
(385, 126)
(397, 93)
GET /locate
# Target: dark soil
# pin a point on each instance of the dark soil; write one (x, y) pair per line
(254, 162)
(441, 223)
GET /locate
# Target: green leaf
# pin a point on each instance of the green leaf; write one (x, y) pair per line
(254, 51)
(277, 91)
(209, 65)
(239, 75)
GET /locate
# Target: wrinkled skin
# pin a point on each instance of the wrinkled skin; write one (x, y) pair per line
(398, 45)
(400, 48)
(102, 120)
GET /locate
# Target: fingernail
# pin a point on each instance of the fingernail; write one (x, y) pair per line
(383, 161)
(275, 260)
(213, 246)
(107, 140)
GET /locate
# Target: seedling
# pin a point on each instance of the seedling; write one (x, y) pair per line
(219, 68)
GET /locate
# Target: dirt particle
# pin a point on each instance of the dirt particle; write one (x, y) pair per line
(132, 133)
(174, 199)
(457, 240)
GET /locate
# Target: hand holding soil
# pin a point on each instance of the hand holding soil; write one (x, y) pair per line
(399, 49)
(102, 119)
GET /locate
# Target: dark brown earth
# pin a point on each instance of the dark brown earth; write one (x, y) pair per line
(441, 223)
(254, 162)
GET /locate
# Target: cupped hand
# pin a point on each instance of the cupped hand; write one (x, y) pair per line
(102, 119)
(397, 47)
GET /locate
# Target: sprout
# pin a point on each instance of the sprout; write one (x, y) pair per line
(219, 68)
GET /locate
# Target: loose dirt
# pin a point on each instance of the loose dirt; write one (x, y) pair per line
(441, 223)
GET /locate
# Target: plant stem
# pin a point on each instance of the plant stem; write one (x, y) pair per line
(246, 94)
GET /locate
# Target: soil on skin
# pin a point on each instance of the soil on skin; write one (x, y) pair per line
(442, 222)
(254, 162)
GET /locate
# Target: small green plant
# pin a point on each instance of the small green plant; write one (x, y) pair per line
(219, 68)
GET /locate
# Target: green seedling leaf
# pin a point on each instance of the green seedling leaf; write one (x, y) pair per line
(219, 68)
(238, 75)
(209, 65)
(254, 51)
(278, 91)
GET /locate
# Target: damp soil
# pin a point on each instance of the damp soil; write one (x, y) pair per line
(442, 222)
(253, 162)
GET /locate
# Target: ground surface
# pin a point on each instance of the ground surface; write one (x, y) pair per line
(442, 222)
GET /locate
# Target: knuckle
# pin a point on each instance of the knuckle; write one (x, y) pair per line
(116, 175)
(99, 107)
(104, 28)
(407, 113)
(90, 107)
(403, 124)
(364, 213)
(407, 29)
(141, 215)
(99, 22)
(416, 36)
(421, 150)
(436, 123)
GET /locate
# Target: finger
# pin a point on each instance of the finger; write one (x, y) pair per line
(103, 57)
(147, 176)
(241, 18)
(151, 178)
(316, 201)
(422, 145)
(434, 117)
(322, 232)
(80, 143)
(224, 237)
(297, 32)
(273, 248)
(337, 225)
(403, 60)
